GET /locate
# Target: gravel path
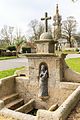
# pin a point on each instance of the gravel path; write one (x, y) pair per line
(13, 63)
(72, 56)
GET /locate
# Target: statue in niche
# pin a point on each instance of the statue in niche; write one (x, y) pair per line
(43, 81)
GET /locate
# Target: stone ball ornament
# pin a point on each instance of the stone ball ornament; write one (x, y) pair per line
(46, 36)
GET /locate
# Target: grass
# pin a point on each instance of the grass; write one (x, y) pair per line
(6, 73)
(5, 58)
(70, 52)
(66, 52)
(74, 64)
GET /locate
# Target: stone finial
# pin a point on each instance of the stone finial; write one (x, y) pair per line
(57, 10)
(57, 24)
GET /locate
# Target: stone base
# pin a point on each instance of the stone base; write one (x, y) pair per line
(44, 97)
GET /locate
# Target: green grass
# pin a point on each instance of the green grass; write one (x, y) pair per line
(74, 64)
(66, 52)
(70, 52)
(5, 58)
(6, 73)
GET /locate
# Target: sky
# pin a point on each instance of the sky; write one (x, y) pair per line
(19, 13)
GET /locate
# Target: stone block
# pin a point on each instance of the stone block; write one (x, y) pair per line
(53, 107)
(1, 104)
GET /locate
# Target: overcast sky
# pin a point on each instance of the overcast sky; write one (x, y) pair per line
(19, 13)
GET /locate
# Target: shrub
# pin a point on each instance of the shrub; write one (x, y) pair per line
(8, 53)
(28, 50)
(13, 53)
(11, 48)
(2, 52)
(24, 49)
(77, 50)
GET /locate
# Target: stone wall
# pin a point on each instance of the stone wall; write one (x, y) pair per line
(16, 115)
(42, 48)
(63, 111)
(62, 90)
(26, 108)
(68, 74)
(53, 64)
(57, 93)
(28, 87)
(71, 76)
(7, 86)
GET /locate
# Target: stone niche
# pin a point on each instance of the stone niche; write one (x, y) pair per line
(43, 81)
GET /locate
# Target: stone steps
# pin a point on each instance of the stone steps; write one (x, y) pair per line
(13, 101)
(15, 104)
(75, 114)
(27, 107)
(10, 98)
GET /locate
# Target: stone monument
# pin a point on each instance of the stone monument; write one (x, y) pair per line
(57, 24)
(43, 63)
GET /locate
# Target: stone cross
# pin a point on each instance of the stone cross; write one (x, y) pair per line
(46, 21)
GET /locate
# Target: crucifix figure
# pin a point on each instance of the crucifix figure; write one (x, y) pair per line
(46, 21)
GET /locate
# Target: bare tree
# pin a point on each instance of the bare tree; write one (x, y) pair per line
(33, 26)
(10, 31)
(6, 34)
(40, 30)
(69, 28)
(37, 29)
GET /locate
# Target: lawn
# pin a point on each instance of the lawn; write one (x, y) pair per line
(66, 52)
(6, 73)
(74, 64)
(5, 58)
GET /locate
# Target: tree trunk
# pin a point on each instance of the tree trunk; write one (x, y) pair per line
(69, 39)
(17, 51)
